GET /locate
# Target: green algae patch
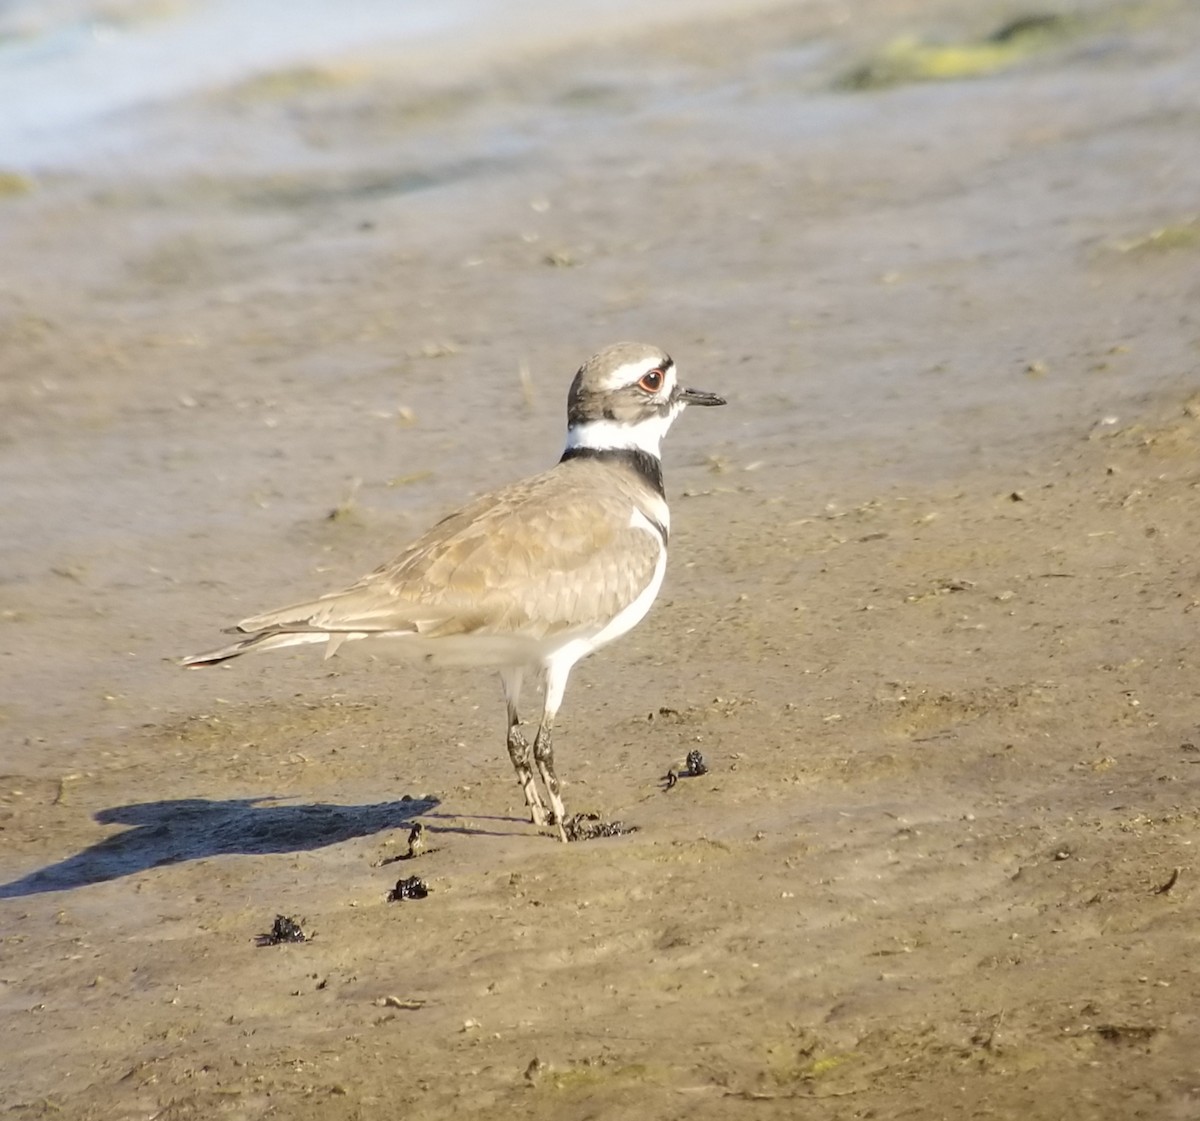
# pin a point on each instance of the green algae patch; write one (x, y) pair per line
(909, 59)
(825, 1065)
(1164, 239)
(296, 81)
(15, 185)
(799, 1067)
(585, 1077)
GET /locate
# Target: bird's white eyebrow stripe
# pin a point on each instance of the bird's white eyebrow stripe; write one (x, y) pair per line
(630, 371)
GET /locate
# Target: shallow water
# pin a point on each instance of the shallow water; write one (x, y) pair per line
(72, 74)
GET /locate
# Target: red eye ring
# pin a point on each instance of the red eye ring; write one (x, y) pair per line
(651, 381)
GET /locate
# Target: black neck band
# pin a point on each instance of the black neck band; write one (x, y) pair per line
(646, 466)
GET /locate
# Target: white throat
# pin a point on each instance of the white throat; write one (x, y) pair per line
(602, 435)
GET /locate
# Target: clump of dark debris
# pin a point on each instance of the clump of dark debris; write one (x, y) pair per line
(416, 840)
(284, 929)
(412, 888)
(693, 767)
(587, 827)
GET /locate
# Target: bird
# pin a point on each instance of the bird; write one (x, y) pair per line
(532, 577)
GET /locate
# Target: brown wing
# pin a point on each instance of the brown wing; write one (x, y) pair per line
(551, 553)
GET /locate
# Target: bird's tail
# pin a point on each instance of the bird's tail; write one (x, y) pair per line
(269, 640)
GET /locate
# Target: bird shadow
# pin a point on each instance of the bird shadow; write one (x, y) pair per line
(170, 832)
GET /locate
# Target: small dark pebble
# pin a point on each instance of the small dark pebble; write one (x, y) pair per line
(695, 764)
(587, 827)
(535, 1069)
(1169, 883)
(416, 846)
(284, 929)
(1127, 1033)
(412, 888)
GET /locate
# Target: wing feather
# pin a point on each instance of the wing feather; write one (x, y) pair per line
(555, 552)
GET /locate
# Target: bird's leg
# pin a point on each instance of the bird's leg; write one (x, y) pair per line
(518, 752)
(543, 744)
(518, 746)
(543, 756)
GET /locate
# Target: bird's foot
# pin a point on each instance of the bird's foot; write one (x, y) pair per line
(558, 821)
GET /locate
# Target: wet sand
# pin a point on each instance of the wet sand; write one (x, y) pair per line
(929, 615)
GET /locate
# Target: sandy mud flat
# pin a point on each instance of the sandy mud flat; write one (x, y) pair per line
(930, 616)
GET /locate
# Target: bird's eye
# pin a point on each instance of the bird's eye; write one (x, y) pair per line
(651, 381)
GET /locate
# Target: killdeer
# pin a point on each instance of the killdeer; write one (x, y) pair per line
(532, 577)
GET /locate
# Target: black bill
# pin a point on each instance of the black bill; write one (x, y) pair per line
(700, 397)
